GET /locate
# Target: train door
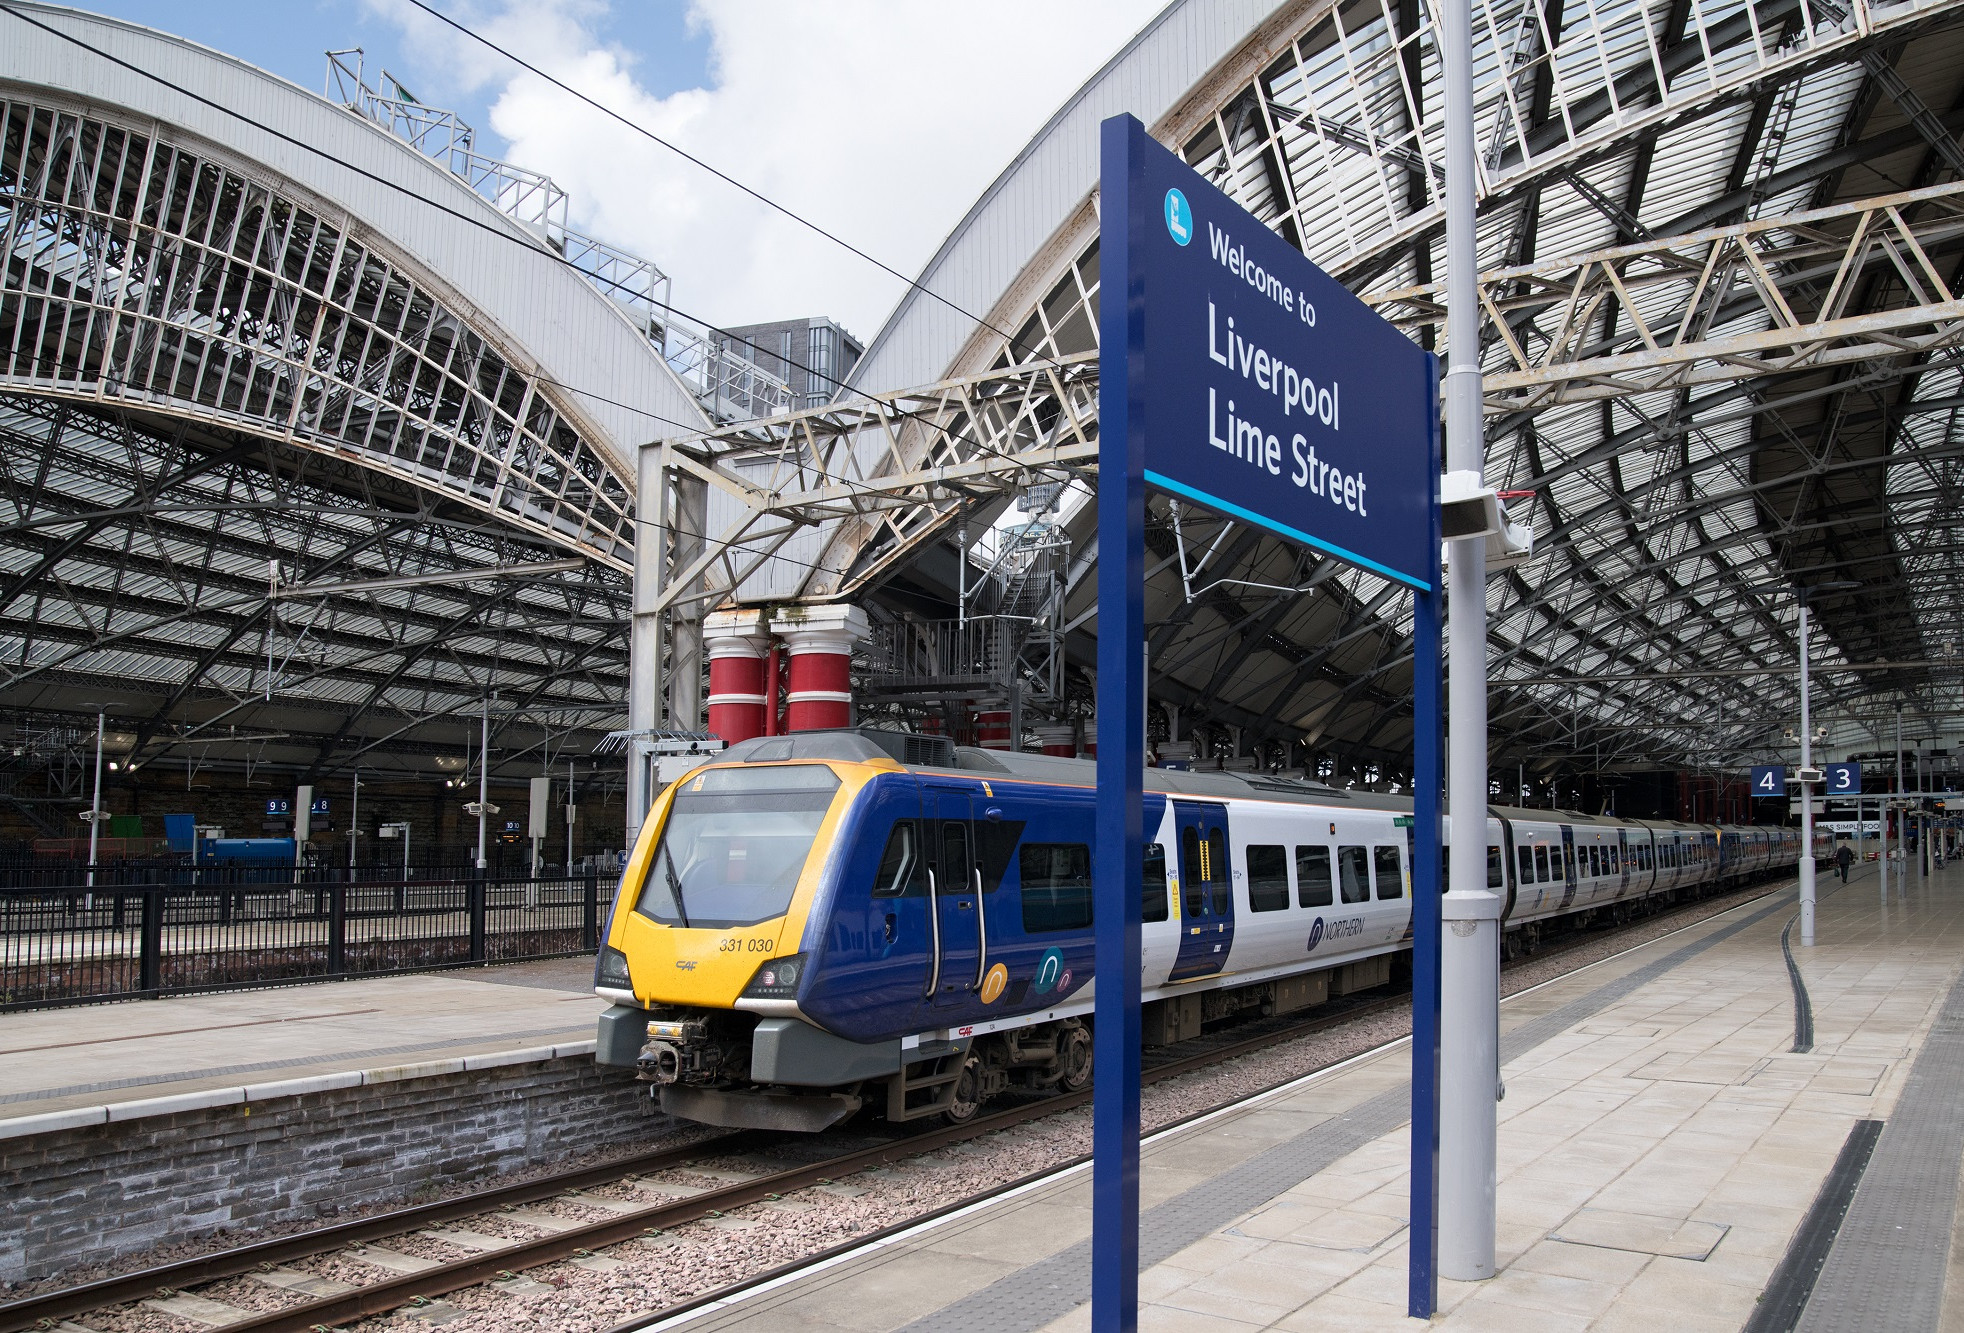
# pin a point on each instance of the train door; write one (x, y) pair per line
(1623, 861)
(954, 905)
(1206, 890)
(1568, 866)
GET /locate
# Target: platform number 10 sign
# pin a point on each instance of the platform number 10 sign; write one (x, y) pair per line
(1769, 780)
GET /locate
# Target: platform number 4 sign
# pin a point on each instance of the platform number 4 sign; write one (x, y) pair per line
(1844, 779)
(1769, 780)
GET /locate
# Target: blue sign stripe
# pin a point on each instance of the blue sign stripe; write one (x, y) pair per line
(1166, 483)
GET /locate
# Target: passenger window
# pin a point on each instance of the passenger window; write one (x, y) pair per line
(1152, 884)
(1056, 886)
(1541, 874)
(954, 857)
(1595, 867)
(1192, 876)
(1354, 874)
(1214, 853)
(1268, 879)
(1390, 876)
(1496, 869)
(1313, 877)
(899, 871)
(1526, 855)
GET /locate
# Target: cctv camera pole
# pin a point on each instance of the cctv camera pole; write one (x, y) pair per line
(483, 779)
(1469, 1067)
(354, 819)
(1806, 797)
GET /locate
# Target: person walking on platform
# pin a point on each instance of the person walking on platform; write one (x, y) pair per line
(1843, 858)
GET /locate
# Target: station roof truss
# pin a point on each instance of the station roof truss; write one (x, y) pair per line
(1722, 281)
(276, 484)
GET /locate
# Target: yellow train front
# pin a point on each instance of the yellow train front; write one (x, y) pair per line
(805, 927)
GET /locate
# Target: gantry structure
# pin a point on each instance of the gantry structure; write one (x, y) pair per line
(1720, 246)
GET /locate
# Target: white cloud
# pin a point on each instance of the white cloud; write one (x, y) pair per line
(880, 121)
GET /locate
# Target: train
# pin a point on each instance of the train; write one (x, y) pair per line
(827, 922)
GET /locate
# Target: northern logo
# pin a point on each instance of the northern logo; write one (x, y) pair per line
(1315, 934)
(1179, 218)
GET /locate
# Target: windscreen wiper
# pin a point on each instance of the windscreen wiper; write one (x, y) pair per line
(675, 888)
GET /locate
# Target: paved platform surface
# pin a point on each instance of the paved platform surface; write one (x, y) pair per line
(1660, 1145)
(141, 1050)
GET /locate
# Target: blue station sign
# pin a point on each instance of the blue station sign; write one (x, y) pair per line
(1769, 780)
(1843, 779)
(1276, 396)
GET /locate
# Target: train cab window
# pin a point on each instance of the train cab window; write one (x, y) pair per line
(1496, 869)
(900, 866)
(1268, 879)
(1152, 884)
(1526, 855)
(1390, 872)
(954, 871)
(1056, 886)
(1313, 877)
(734, 845)
(1354, 874)
(1541, 873)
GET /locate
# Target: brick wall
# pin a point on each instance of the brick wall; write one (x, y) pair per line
(86, 1195)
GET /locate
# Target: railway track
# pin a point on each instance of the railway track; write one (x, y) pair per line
(336, 1303)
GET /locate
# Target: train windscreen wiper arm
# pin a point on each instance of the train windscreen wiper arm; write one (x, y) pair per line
(675, 888)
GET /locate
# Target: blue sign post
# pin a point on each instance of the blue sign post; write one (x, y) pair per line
(1235, 373)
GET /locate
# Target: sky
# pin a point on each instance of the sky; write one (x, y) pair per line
(879, 120)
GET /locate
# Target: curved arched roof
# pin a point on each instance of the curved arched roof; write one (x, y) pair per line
(1722, 246)
(242, 326)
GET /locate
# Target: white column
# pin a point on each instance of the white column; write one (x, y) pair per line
(95, 802)
(1806, 797)
(1470, 947)
(644, 650)
(483, 781)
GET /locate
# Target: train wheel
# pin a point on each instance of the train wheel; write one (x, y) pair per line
(968, 1094)
(1073, 1059)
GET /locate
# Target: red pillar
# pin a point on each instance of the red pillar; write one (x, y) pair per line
(735, 642)
(820, 640)
(1057, 738)
(992, 725)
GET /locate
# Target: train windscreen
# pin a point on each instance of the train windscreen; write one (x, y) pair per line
(734, 844)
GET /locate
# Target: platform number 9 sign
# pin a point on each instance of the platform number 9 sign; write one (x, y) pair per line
(1769, 780)
(1844, 779)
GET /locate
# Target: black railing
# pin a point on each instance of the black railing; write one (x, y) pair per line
(72, 944)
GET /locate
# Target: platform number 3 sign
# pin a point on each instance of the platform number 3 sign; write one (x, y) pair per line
(1844, 779)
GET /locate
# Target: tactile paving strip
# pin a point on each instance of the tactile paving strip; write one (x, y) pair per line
(1889, 1260)
(1052, 1288)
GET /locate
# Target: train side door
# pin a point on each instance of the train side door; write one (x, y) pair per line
(1568, 866)
(955, 903)
(1622, 861)
(1206, 890)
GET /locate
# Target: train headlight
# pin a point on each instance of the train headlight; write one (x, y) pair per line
(610, 970)
(778, 979)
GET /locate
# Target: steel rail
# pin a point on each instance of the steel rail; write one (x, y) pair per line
(56, 1305)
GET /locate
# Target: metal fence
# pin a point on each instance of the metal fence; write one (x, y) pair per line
(75, 945)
